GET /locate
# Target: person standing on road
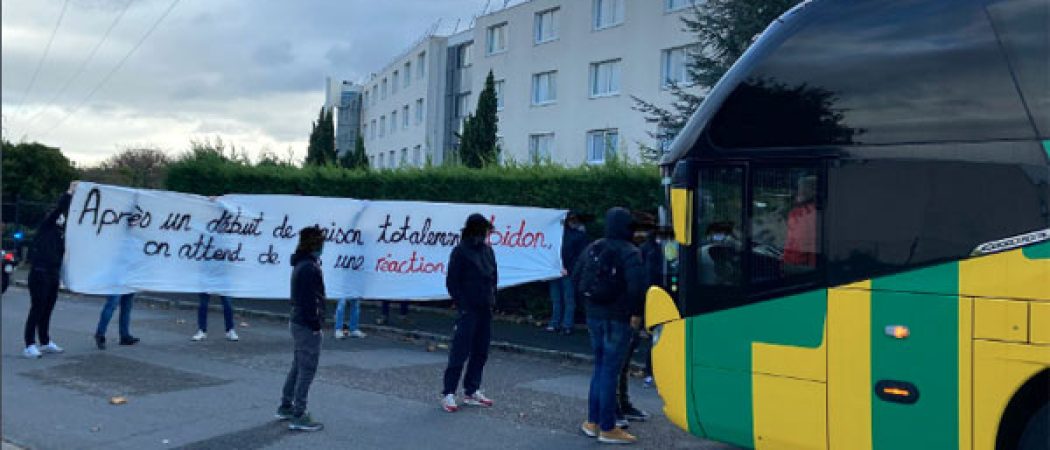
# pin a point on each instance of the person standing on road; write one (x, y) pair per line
(307, 317)
(49, 247)
(610, 277)
(202, 318)
(104, 317)
(650, 252)
(563, 303)
(355, 318)
(471, 281)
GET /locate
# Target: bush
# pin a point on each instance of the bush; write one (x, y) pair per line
(589, 190)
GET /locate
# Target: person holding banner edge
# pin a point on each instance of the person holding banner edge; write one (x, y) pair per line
(306, 322)
(471, 281)
(202, 318)
(49, 247)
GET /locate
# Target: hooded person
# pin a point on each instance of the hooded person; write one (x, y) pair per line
(563, 299)
(471, 282)
(306, 321)
(46, 254)
(612, 322)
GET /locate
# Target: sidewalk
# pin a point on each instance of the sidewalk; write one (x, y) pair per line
(509, 333)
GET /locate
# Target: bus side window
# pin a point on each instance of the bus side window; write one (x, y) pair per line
(785, 224)
(719, 226)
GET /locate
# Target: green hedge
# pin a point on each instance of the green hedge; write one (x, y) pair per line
(590, 190)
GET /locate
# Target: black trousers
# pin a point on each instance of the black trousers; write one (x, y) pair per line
(43, 293)
(471, 340)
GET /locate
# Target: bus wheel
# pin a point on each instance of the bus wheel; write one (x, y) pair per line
(1036, 434)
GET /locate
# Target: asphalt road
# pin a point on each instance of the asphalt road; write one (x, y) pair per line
(378, 392)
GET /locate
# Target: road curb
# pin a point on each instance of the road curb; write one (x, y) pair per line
(507, 347)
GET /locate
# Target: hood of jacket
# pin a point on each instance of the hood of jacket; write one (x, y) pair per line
(297, 257)
(618, 223)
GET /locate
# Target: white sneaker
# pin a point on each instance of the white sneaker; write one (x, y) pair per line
(31, 352)
(449, 403)
(232, 336)
(200, 336)
(477, 399)
(51, 347)
(340, 334)
(357, 334)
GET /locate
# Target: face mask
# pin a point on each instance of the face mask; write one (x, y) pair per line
(61, 221)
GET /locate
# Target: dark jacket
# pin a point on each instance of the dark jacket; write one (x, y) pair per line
(618, 235)
(572, 244)
(472, 275)
(49, 244)
(307, 292)
(652, 255)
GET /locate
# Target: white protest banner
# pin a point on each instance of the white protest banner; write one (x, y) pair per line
(121, 240)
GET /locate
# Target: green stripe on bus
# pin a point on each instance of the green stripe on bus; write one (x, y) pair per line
(928, 358)
(1046, 146)
(1037, 251)
(719, 352)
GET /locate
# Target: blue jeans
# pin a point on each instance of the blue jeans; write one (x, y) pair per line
(469, 341)
(107, 313)
(202, 312)
(563, 302)
(609, 340)
(355, 313)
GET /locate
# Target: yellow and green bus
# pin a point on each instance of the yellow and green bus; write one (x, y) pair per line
(861, 217)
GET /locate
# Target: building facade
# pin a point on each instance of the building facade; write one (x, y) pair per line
(565, 71)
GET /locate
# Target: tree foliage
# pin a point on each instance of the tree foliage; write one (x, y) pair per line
(356, 158)
(321, 150)
(724, 29)
(478, 146)
(134, 167)
(35, 172)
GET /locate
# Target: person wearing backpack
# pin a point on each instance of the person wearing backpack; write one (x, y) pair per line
(610, 278)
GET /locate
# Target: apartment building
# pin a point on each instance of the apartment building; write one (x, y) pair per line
(565, 72)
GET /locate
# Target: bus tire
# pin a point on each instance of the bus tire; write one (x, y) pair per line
(1025, 420)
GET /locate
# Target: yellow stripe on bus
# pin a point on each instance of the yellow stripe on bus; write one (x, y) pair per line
(849, 366)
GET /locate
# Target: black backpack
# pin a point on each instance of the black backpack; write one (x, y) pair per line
(601, 279)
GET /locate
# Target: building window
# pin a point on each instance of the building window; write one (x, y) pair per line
(393, 162)
(546, 26)
(499, 94)
(372, 161)
(404, 156)
(608, 13)
(417, 156)
(675, 5)
(364, 131)
(375, 94)
(462, 105)
(382, 126)
(373, 128)
(463, 54)
(393, 83)
(382, 158)
(674, 66)
(540, 146)
(496, 39)
(421, 64)
(419, 111)
(366, 98)
(383, 91)
(404, 117)
(544, 88)
(605, 78)
(393, 122)
(408, 73)
(601, 143)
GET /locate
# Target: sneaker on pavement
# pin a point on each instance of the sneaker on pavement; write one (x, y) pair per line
(477, 399)
(129, 340)
(448, 403)
(200, 336)
(590, 429)
(100, 342)
(339, 334)
(357, 334)
(622, 422)
(51, 347)
(550, 328)
(616, 436)
(232, 336)
(284, 413)
(305, 423)
(31, 352)
(635, 414)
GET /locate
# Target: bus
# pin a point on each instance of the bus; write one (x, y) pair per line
(861, 219)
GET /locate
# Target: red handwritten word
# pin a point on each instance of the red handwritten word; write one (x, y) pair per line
(414, 264)
(516, 238)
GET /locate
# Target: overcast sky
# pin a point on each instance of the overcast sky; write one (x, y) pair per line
(250, 71)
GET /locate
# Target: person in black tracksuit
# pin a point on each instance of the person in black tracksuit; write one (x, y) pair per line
(471, 281)
(306, 322)
(49, 247)
(651, 258)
